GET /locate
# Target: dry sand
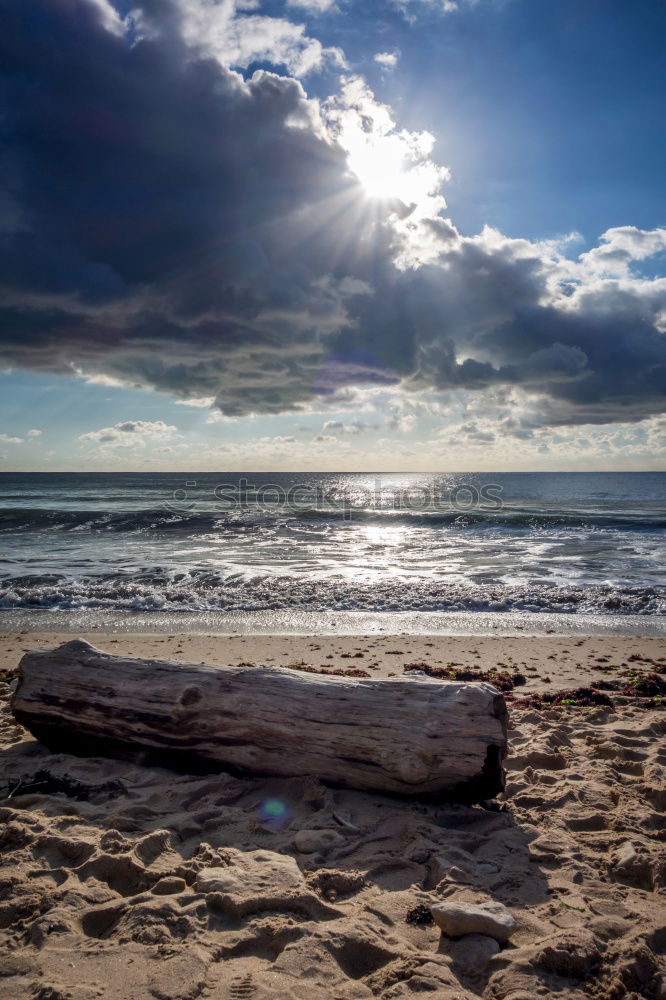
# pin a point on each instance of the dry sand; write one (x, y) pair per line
(558, 661)
(103, 891)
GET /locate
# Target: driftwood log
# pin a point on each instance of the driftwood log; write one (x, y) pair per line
(412, 736)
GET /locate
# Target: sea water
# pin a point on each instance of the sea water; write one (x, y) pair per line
(572, 544)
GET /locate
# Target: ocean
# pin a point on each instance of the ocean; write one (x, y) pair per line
(573, 544)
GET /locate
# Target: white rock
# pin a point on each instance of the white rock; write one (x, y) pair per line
(631, 867)
(625, 856)
(458, 918)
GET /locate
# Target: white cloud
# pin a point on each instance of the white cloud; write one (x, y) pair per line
(388, 60)
(8, 439)
(338, 427)
(201, 402)
(446, 6)
(34, 433)
(238, 39)
(315, 279)
(619, 248)
(109, 17)
(129, 433)
(401, 423)
(313, 6)
(99, 378)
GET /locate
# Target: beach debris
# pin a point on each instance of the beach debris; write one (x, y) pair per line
(337, 671)
(456, 918)
(7, 675)
(419, 739)
(42, 782)
(579, 697)
(420, 915)
(345, 824)
(503, 680)
(645, 685)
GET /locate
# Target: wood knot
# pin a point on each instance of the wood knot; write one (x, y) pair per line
(190, 696)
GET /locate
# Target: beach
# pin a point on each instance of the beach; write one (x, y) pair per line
(332, 500)
(106, 889)
(123, 879)
(547, 661)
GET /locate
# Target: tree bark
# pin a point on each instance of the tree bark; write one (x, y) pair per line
(412, 736)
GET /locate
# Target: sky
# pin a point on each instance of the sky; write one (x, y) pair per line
(397, 235)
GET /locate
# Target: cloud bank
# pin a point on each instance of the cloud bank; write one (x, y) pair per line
(170, 222)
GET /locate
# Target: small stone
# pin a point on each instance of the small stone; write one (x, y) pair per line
(169, 886)
(625, 856)
(457, 918)
(312, 841)
(632, 868)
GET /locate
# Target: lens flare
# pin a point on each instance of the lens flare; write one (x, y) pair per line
(274, 813)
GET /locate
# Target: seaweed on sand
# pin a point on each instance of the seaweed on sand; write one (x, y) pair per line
(504, 680)
(645, 685)
(338, 671)
(45, 783)
(582, 697)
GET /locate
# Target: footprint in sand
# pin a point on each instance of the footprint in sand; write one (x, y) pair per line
(242, 988)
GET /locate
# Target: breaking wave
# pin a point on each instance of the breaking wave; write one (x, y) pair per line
(165, 590)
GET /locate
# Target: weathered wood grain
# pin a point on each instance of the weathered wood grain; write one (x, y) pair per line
(413, 736)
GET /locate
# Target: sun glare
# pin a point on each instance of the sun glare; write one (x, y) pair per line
(380, 167)
(393, 166)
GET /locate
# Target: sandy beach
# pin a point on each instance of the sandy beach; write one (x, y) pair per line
(327, 892)
(547, 662)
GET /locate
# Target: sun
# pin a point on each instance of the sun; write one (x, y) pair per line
(392, 167)
(380, 167)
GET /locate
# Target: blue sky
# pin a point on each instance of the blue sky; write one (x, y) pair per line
(318, 235)
(547, 113)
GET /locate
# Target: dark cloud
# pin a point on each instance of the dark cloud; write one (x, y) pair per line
(171, 224)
